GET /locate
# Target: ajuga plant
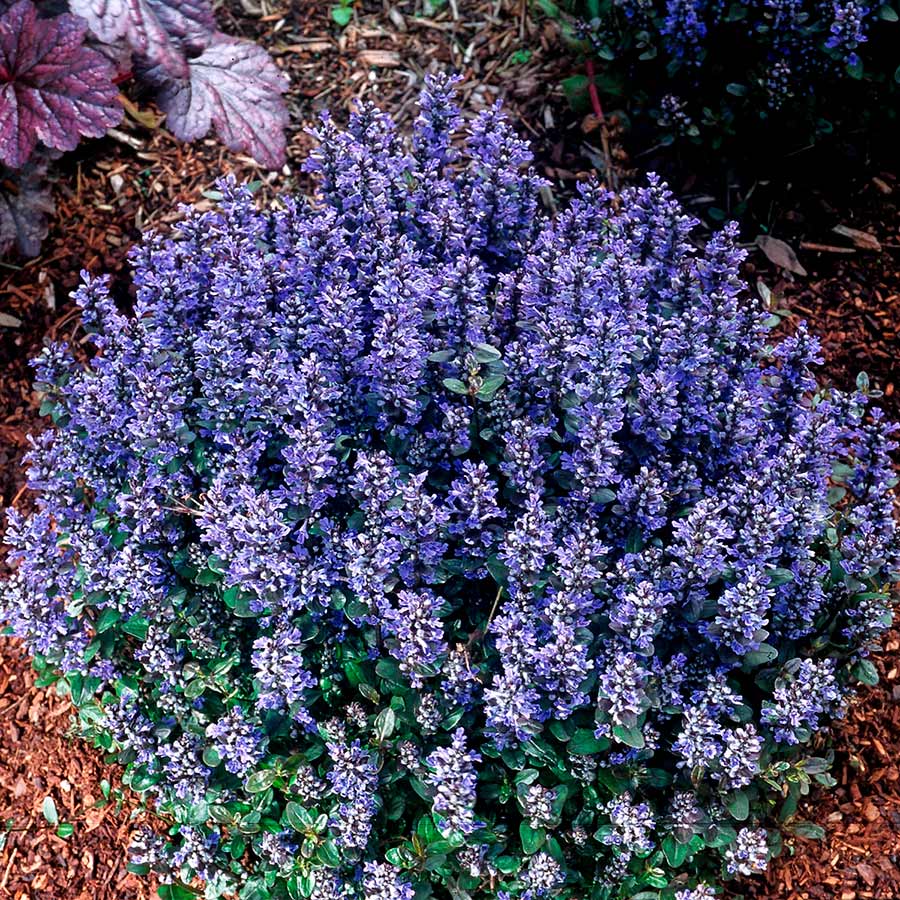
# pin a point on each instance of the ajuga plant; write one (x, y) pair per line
(411, 543)
(706, 71)
(59, 68)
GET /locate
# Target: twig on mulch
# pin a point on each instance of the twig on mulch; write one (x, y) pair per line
(610, 171)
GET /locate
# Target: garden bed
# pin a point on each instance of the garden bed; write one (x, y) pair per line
(113, 189)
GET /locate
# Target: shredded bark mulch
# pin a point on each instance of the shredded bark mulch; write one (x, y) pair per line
(859, 857)
(39, 761)
(112, 190)
(850, 295)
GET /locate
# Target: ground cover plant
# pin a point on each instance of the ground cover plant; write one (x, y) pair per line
(413, 543)
(60, 66)
(727, 74)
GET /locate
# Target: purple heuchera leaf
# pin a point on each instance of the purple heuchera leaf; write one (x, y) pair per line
(52, 88)
(234, 87)
(156, 29)
(25, 203)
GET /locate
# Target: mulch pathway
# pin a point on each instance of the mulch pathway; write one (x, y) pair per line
(111, 190)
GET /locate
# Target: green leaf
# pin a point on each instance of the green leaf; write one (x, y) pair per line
(490, 386)
(739, 805)
(455, 386)
(584, 743)
(49, 809)
(765, 654)
(207, 577)
(107, 619)
(780, 576)
(865, 671)
(532, 838)
(66, 829)
(549, 8)
(658, 778)
(441, 356)
(369, 693)
(485, 353)
(328, 854)
(137, 627)
(675, 853)
(260, 781)
(808, 830)
(816, 765)
(175, 892)
(507, 864)
(575, 88)
(497, 569)
(299, 818)
(193, 689)
(307, 884)
(340, 15)
(888, 13)
(632, 737)
(211, 757)
(389, 671)
(385, 722)
(603, 495)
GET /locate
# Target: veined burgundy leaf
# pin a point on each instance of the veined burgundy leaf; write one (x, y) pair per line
(235, 88)
(52, 88)
(119, 54)
(159, 30)
(25, 204)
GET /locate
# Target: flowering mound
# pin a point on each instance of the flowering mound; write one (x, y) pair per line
(415, 542)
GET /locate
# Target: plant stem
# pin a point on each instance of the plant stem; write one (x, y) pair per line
(601, 118)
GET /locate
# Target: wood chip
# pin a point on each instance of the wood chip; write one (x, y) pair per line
(385, 59)
(825, 248)
(863, 239)
(309, 47)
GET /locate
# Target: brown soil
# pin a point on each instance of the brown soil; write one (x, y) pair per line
(113, 189)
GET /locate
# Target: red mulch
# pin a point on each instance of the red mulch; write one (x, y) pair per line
(113, 189)
(851, 294)
(38, 760)
(858, 860)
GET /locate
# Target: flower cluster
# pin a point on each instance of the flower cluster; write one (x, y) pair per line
(740, 64)
(413, 540)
